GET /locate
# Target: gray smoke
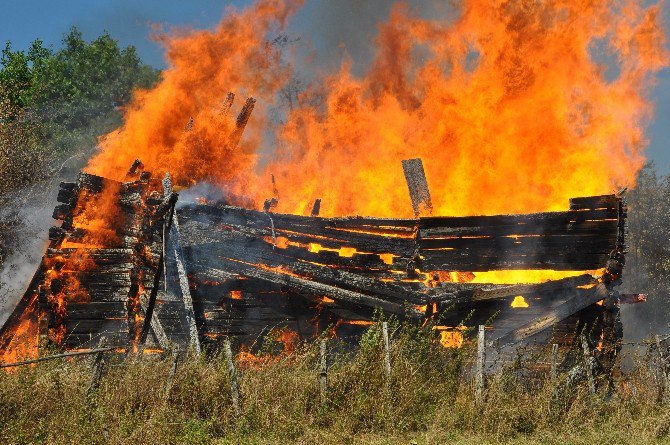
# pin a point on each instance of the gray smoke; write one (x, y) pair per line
(333, 29)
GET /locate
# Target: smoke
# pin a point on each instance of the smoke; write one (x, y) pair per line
(31, 209)
(347, 29)
(27, 241)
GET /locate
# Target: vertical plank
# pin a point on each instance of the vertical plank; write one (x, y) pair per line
(323, 375)
(554, 372)
(173, 235)
(418, 186)
(185, 290)
(387, 350)
(234, 389)
(171, 374)
(316, 208)
(587, 365)
(97, 368)
(481, 361)
(663, 371)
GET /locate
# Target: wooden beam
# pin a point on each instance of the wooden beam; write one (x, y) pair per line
(579, 300)
(185, 290)
(156, 325)
(418, 186)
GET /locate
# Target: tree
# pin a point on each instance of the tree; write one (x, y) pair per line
(648, 259)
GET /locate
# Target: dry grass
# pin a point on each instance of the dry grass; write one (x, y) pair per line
(427, 401)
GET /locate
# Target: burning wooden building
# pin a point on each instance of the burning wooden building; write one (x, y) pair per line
(133, 265)
(156, 273)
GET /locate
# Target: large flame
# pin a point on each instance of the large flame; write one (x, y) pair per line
(514, 106)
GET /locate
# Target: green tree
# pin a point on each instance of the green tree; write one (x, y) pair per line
(648, 258)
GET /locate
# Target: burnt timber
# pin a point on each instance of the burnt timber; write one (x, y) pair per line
(191, 275)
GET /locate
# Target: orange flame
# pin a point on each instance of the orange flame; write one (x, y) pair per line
(510, 105)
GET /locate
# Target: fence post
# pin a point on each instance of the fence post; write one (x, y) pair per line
(663, 370)
(387, 351)
(323, 374)
(97, 368)
(171, 374)
(481, 361)
(234, 390)
(554, 371)
(587, 364)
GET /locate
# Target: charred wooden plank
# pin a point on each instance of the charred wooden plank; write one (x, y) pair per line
(579, 300)
(567, 227)
(68, 193)
(594, 202)
(526, 244)
(418, 186)
(184, 285)
(97, 310)
(530, 219)
(257, 252)
(288, 226)
(454, 260)
(156, 325)
(299, 284)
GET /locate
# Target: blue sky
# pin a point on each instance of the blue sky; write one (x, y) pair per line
(130, 22)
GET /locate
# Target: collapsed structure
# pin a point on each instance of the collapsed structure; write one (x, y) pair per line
(129, 265)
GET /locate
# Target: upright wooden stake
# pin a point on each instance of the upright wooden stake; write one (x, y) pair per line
(663, 371)
(418, 187)
(173, 371)
(234, 389)
(97, 368)
(481, 361)
(316, 208)
(554, 373)
(387, 351)
(323, 375)
(587, 365)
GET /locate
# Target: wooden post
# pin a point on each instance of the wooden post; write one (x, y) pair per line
(418, 187)
(554, 371)
(387, 351)
(316, 208)
(481, 361)
(587, 364)
(663, 371)
(234, 390)
(323, 375)
(171, 374)
(97, 368)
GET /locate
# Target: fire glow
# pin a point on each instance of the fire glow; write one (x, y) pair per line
(509, 100)
(508, 105)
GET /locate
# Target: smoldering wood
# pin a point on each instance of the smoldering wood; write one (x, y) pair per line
(274, 264)
(594, 202)
(227, 103)
(156, 325)
(579, 300)
(418, 186)
(316, 208)
(185, 291)
(54, 357)
(241, 122)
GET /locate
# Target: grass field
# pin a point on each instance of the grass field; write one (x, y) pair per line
(427, 400)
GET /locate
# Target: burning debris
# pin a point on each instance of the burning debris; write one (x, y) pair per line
(126, 264)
